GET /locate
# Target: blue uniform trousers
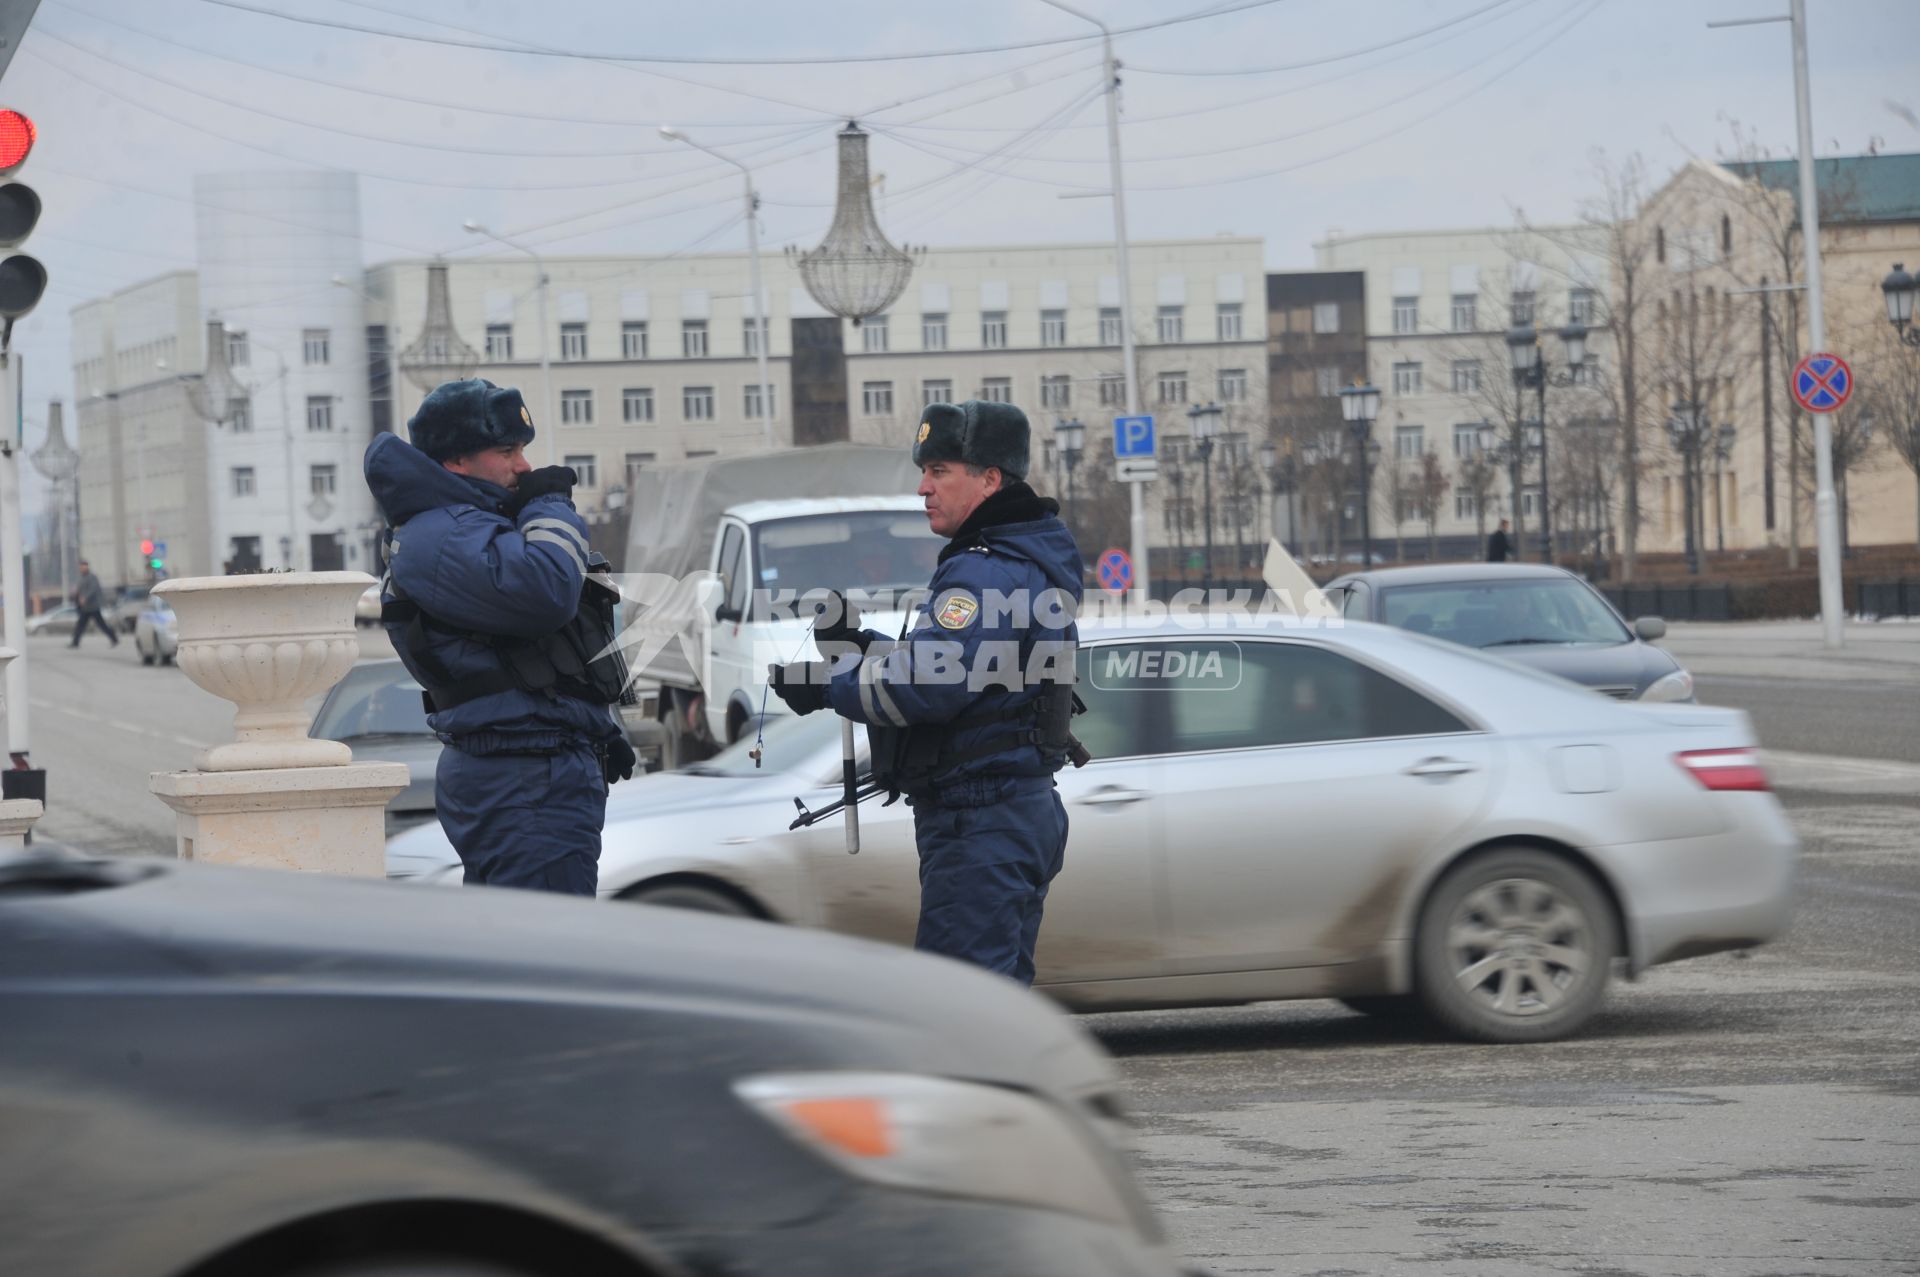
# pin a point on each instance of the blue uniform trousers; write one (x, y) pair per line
(989, 848)
(525, 820)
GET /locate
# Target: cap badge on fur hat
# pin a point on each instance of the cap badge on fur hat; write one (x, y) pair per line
(925, 430)
(525, 415)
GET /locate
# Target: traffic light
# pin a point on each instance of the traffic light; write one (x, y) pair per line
(22, 278)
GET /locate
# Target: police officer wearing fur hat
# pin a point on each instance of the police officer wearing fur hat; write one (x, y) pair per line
(967, 712)
(486, 591)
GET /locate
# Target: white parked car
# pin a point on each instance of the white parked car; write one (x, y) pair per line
(155, 632)
(1280, 812)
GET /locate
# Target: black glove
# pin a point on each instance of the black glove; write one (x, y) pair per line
(619, 760)
(540, 483)
(838, 622)
(802, 685)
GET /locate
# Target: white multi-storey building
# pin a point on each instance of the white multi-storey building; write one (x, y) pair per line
(1439, 307)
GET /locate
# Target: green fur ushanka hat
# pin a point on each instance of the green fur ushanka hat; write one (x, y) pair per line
(979, 432)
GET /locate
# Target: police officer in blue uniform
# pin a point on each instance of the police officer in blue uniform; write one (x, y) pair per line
(967, 712)
(489, 602)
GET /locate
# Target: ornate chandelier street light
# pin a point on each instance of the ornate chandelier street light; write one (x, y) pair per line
(438, 355)
(856, 271)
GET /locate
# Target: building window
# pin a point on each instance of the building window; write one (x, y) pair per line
(1172, 387)
(1406, 314)
(1726, 233)
(1170, 323)
(321, 480)
(933, 332)
(876, 398)
(1580, 306)
(636, 462)
(1660, 244)
(243, 485)
(1113, 389)
(1466, 376)
(933, 392)
(243, 552)
(242, 422)
(1109, 326)
(1409, 442)
(1529, 501)
(1226, 321)
(316, 346)
(1522, 307)
(693, 338)
(1463, 505)
(1056, 392)
(696, 402)
(1406, 379)
(499, 343)
(1585, 373)
(997, 390)
(1233, 385)
(752, 400)
(1465, 313)
(237, 351)
(993, 329)
(576, 407)
(319, 412)
(573, 341)
(1053, 328)
(586, 466)
(873, 335)
(1326, 380)
(633, 339)
(1326, 317)
(1466, 439)
(750, 338)
(636, 404)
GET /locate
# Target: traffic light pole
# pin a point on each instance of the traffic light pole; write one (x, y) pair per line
(13, 560)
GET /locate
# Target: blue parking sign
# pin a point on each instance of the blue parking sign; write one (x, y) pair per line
(1133, 437)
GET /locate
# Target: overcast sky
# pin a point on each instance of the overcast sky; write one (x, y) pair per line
(1471, 109)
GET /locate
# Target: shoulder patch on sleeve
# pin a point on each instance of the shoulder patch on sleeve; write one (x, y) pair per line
(957, 611)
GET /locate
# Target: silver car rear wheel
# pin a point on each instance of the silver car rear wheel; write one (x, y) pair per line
(1515, 945)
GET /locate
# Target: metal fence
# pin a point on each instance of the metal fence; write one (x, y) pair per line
(1887, 598)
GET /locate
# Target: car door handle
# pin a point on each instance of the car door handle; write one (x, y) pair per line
(1114, 795)
(1440, 768)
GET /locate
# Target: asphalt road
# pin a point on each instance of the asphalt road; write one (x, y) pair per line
(1879, 719)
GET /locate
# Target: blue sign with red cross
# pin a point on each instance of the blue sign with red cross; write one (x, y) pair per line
(1821, 383)
(1115, 571)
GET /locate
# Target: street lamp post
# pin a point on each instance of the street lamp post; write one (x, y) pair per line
(1899, 289)
(1723, 441)
(1530, 370)
(550, 419)
(1360, 406)
(753, 273)
(1070, 439)
(1204, 423)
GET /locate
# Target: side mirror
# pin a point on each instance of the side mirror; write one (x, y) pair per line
(1650, 628)
(727, 612)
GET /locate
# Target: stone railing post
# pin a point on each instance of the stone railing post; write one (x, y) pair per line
(275, 797)
(16, 814)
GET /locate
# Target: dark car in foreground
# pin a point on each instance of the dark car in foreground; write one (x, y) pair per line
(1541, 616)
(212, 1072)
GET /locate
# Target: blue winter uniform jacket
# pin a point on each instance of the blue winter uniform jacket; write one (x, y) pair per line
(455, 555)
(986, 615)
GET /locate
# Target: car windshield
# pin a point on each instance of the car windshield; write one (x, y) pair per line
(1504, 613)
(789, 742)
(373, 700)
(868, 550)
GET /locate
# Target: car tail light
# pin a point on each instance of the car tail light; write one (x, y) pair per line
(1725, 769)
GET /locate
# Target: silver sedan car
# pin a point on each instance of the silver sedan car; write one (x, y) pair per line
(1277, 811)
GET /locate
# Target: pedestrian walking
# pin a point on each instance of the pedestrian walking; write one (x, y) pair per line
(88, 598)
(1500, 544)
(492, 602)
(967, 713)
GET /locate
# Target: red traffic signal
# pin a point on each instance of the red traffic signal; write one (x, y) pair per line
(146, 547)
(17, 136)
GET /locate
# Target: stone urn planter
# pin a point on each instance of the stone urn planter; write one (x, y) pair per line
(268, 643)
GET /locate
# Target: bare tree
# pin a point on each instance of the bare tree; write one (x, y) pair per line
(1890, 395)
(1399, 493)
(1430, 485)
(1478, 475)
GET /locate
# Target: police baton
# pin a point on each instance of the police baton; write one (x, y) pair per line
(849, 787)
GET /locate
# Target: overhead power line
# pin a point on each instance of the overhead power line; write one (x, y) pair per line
(1328, 59)
(500, 46)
